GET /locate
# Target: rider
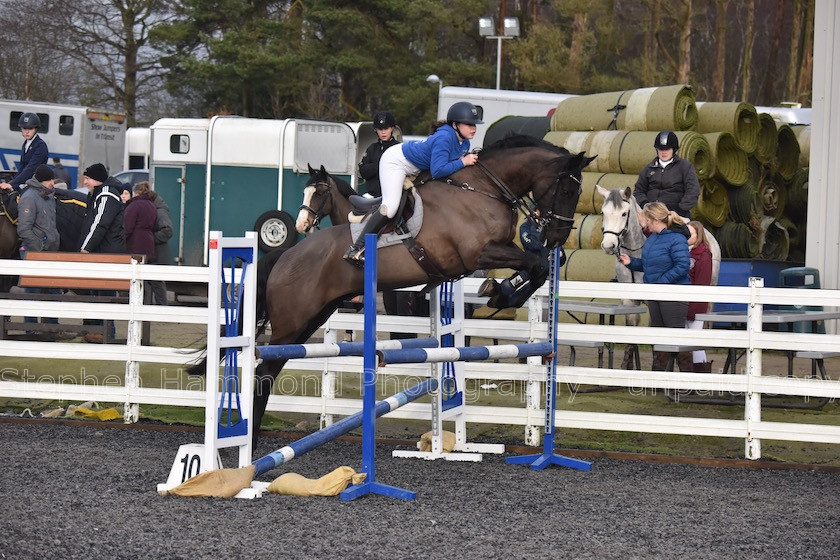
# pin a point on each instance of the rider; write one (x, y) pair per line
(668, 179)
(443, 153)
(515, 291)
(384, 123)
(33, 153)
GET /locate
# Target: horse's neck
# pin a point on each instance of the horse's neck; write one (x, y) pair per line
(341, 208)
(634, 238)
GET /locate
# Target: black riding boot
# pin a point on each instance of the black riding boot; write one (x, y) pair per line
(356, 253)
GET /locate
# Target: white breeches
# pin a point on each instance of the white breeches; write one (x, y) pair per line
(698, 356)
(393, 169)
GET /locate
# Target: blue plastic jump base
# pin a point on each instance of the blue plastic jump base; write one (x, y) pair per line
(548, 456)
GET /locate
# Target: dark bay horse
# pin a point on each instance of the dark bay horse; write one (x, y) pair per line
(469, 223)
(324, 195)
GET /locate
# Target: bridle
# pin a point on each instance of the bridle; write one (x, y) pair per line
(317, 212)
(544, 221)
(619, 235)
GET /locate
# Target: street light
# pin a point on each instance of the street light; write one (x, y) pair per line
(434, 79)
(510, 30)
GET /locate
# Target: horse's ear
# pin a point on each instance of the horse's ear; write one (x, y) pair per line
(311, 171)
(626, 193)
(587, 161)
(602, 191)
(323, 169)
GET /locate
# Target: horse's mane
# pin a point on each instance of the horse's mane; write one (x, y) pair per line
(343, 186)
(513, 140)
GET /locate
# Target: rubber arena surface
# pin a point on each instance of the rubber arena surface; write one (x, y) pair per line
(89, 492)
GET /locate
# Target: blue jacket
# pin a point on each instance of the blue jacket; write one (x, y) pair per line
(664, 259)
(440, 153)
(29, 161)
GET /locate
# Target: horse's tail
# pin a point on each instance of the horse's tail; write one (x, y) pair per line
(264, 266)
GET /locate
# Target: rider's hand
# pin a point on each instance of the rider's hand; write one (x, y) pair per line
(469, 159)
(5, 186)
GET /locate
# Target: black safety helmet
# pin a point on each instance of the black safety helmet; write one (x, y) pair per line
(666, 140)
(464, 112)
(383, 119)
(29, 120)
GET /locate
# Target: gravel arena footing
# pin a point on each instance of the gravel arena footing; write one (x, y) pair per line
(90, 492)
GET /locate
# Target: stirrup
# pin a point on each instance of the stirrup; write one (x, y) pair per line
(355, 255)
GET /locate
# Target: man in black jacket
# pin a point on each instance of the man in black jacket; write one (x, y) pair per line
(668, 179)
(102, 229)
(384, 124)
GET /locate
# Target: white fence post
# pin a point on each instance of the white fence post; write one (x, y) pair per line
(752, 402)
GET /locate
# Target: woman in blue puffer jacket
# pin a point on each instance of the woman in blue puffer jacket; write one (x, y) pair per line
(665, 260)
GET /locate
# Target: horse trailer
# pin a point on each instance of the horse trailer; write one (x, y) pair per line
(80, 136)
(236, 174)
(136, 155)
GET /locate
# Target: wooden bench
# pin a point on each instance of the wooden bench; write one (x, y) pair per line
(75, 283)
(817, 361)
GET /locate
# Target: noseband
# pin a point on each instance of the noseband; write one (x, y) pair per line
(317, 213)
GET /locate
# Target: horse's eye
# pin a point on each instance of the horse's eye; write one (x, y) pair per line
(623, 214)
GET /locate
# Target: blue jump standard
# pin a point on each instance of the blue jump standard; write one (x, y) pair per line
(329, 350)
(370, 485)
(310, 442)
(548, 456)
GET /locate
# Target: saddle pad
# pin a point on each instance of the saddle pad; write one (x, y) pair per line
(413, 224)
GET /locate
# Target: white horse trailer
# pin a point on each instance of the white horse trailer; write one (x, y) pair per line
(80, 136)
(137, 148)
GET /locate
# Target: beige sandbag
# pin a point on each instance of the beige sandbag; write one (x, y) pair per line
(447, 441)
(220, 483)
(331, 484)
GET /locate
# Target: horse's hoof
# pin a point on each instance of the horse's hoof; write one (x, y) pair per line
(488, 288)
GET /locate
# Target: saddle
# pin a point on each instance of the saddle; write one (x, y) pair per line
(364, 206)
(9, 205)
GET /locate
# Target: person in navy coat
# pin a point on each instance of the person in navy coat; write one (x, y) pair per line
(33, 153)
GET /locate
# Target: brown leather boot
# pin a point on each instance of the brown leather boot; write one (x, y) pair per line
(685, 362)
(703, 367)
(660, 361)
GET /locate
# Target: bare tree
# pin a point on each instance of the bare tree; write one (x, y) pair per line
(748, 44)
(681, 65)
(719, 70)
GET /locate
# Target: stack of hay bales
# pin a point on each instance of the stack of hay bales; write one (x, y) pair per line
(752, 170)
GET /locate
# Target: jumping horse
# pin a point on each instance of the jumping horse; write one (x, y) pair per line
(623, 233)
(469, 223)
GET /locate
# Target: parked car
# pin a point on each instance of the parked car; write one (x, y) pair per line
(132, 176)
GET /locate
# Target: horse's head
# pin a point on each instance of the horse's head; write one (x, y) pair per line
(557, 197)
(620, 215)
(317, 200)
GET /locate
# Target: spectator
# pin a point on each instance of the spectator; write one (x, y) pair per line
(102, 229)
(384, 124)
(62, 175)
(664, 260)
(700, 274)
(36, 224)
(163, 232)
(668, 179)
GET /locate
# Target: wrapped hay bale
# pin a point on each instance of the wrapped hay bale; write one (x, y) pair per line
(772, 195)
(588, 232)
(738, 241)
(744, 204)
(739, 119)
(655, 108)
(588, 265)
(731, 163)
(775, 243)
(803, 136)
(797, 196)
(590, 201)
(768, 139)
(787, 152)
(713, 206)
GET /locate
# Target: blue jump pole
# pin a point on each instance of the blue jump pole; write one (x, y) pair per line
(370, 485)
(310, 442)
(332, 349)
(464, 353)
(548, 456)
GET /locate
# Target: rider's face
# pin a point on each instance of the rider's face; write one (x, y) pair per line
(28, 133)
(466, 130)
(385, 133)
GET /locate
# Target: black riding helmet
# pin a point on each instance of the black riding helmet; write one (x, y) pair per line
(666, 140)
(464, 112)
(29, 120)
(384, 119)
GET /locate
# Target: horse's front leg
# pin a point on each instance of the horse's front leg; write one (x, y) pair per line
(496, 255)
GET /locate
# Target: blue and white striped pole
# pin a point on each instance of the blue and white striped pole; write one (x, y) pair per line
(310, 442)
(333, 349)
(464, 354)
